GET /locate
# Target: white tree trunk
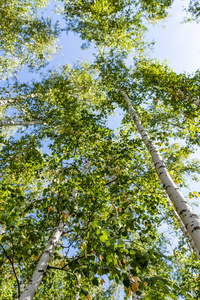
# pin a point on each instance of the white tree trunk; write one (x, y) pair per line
(6, 101)
(19, 123)
(189, 218)
(185, 232)
(40, 270)
(197, 102)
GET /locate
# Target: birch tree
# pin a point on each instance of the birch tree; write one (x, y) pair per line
(117, 181)
(26, 37)
(64, 119)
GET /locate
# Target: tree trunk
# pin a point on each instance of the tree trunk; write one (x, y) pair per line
(40, 270)
(189, 218)
(197, 102)
(6, 101)
(184, 231)
(19, 123)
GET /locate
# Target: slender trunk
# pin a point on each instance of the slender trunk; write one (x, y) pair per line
(189, 218)
(40, 270)
(197, 102)
(19, 123)
(6, 101)
(184, 231)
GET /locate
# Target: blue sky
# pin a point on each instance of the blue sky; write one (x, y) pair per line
(178, 43)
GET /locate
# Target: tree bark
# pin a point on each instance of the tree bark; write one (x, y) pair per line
(197, 102)
(19, 123)
(40, 270)
(189, 218)
(6, 101)
(184, 231)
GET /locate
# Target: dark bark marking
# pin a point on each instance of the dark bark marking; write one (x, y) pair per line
(195, 228)
(182, 211)
(194, 216)
(154, 151)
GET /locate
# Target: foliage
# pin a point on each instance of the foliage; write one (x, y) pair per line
(26, 37)
(113, 23)
(194, 10)
(115, 228)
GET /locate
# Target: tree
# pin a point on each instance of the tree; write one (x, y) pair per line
(26, 37)
(109, 219)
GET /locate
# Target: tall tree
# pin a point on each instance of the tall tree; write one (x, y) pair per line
(26, 38)
(114, 226)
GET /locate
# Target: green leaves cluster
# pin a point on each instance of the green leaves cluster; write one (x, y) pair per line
(26, 38)
(114, 229)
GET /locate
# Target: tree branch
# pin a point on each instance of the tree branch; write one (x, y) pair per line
(13, 267)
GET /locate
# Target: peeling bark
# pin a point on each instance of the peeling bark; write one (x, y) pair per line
(190, 219)
(42, 265)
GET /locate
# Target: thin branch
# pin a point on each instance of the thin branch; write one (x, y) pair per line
(13, 267)
(111, 181)
(56, 268)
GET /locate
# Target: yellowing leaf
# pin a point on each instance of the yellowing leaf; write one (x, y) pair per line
(84, 246)
(100, 257)
(130, 292)
(135, 286)
(119, 262)
(35, 257)
(136, 279)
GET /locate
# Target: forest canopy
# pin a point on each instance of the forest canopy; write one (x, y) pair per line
(88, 211)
